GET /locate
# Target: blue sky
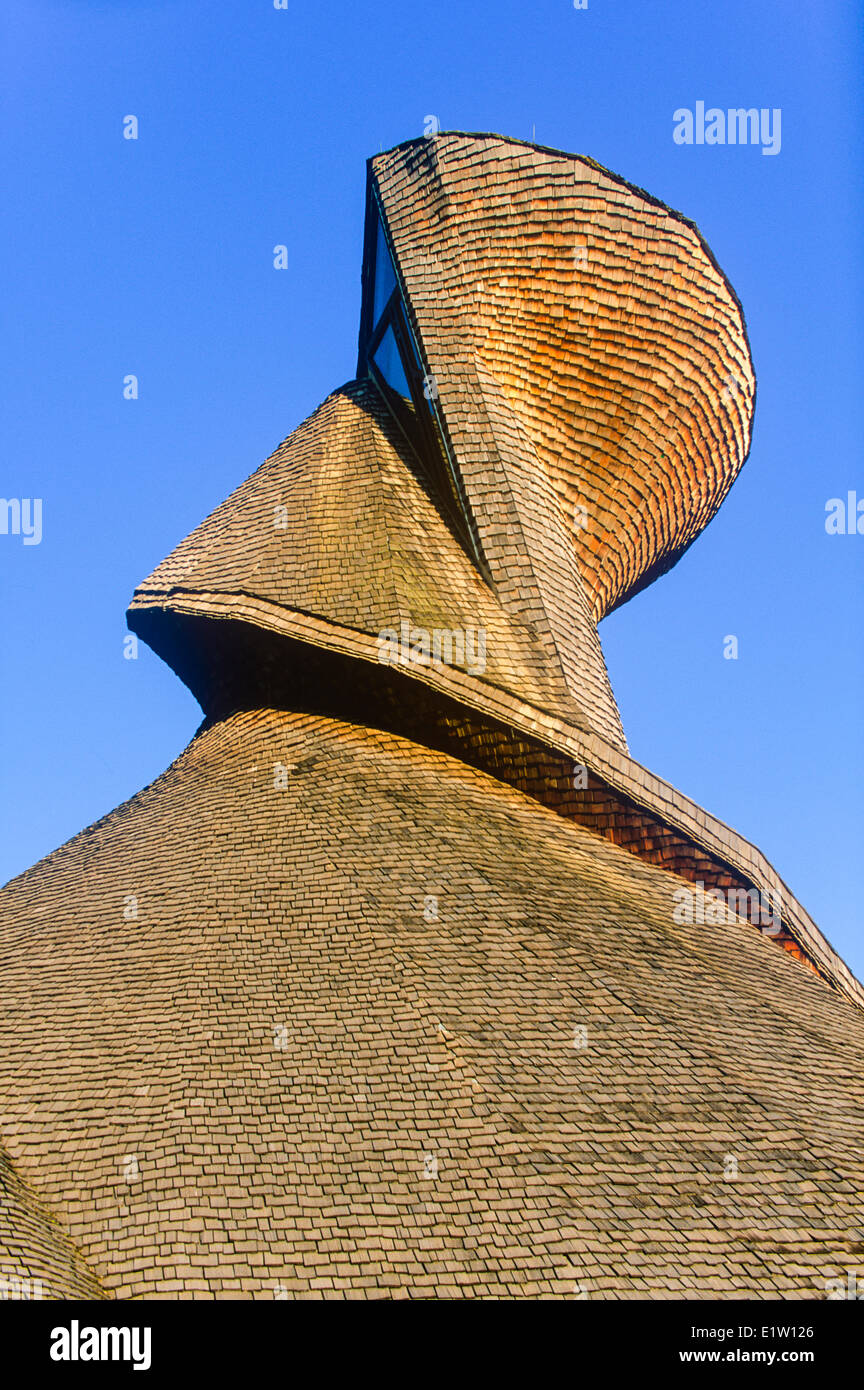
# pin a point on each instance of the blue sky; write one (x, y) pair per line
(154, 257)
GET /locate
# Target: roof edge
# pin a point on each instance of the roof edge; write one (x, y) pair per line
(635, 188)
(622, 773)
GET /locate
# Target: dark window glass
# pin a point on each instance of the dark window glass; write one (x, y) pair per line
(428, 387)
(389, 363)
(385, 277)
(418, 368)
(390, 354)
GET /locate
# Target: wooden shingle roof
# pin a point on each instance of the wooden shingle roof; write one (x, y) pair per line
(336, 527)
(380, 990)
(392, 1029)
(542, 282)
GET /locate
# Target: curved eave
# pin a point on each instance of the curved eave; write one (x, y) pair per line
(151, 615)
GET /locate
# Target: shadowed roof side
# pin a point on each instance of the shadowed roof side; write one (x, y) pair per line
(35, 1248)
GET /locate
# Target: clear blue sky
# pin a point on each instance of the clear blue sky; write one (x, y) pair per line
(155, 258)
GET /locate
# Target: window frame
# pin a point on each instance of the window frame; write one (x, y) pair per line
(424, 429)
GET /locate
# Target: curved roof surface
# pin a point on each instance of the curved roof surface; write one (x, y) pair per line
(38, 1259)
(373, 992)
(337, 525)
(354, 1049)
(601, 318)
